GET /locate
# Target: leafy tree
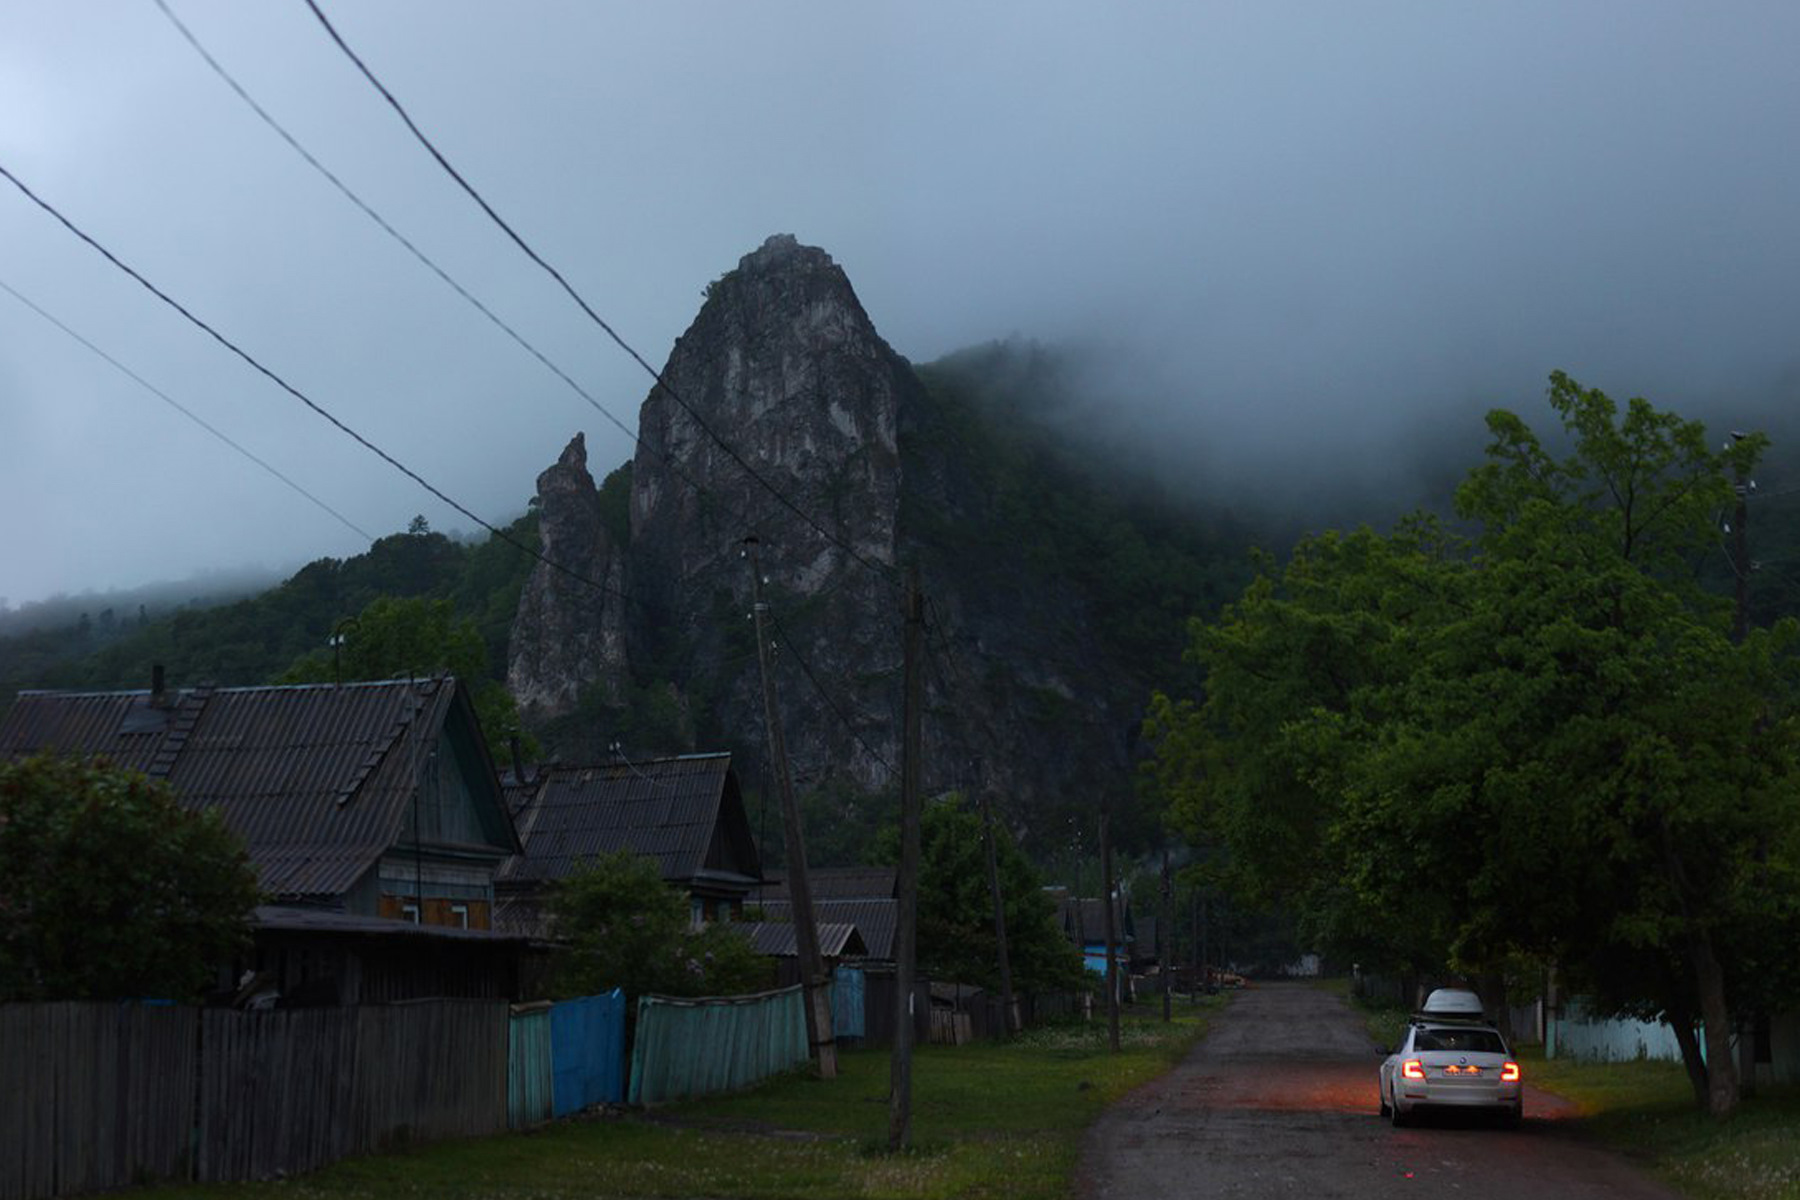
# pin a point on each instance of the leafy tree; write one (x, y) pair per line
(623, 927)
(956, 938)
(1540, 742)
(112, 889)
(414, 636)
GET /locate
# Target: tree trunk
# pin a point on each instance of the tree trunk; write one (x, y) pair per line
(1715, 1019)
(1682, 1022)
(1493, 996)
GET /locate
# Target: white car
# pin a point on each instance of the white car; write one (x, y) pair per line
(1451, 1058)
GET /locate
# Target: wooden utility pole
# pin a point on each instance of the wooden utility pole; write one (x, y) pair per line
(1009, 1019)
(1112, 958)
(1740, 554)
(806, 932)
(906, 924)
(1165, 933)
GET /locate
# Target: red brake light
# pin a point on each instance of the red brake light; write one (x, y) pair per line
(1413, 1068)
(1509, 1072)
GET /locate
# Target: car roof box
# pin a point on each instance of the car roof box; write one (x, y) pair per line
(1457, 1003)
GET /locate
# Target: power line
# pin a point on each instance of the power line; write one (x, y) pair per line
(346, 522)
(880, 570)
(291, 390)
(388, 228)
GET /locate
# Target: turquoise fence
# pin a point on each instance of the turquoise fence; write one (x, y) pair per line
(689, 1048)
(587, 1052)
(529, 1074)
(847, 1020)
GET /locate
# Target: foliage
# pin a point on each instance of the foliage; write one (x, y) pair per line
(413, 637)
(112, 889)
(1540, 741)
(956, 937)
(623, 927)
(255, 639)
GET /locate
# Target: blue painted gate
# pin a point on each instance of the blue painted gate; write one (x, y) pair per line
(587, 1050)
(847, 1003)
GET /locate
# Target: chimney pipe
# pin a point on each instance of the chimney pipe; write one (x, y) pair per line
(518, 759)
(158, 692)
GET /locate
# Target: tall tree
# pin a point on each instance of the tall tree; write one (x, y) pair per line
(1543, 741)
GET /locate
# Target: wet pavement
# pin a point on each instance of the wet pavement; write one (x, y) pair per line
(1280, 1100)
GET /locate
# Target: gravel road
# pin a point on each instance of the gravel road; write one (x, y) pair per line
(1279, 1100)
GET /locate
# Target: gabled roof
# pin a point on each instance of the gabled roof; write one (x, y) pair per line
(776, 939)
(1086, 918)
(835, 883)
(316, 778)
(686, 812)
(875, 919)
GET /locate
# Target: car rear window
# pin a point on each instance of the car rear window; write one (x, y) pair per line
(1460, 1041)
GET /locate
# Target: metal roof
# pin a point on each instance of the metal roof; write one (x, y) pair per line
(315, 778)
(835, 883)
(685, 812)
(875, 919)
(282, 919)
(776, 939)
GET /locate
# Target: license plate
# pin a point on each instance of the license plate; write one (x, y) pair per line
(1462, 1070)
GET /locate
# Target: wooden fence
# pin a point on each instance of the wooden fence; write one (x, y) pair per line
(104, 1095)
(93, 1096)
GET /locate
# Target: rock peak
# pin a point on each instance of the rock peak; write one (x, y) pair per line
(575, 453)
(783, 251)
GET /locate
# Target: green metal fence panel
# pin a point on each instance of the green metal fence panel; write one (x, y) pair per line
(689, 1048)
(530, 1075)
(847, 1003)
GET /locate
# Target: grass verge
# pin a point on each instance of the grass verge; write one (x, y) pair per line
(1646, 1111)
(988, 1121)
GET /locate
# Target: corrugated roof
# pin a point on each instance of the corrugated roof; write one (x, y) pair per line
(669, 809)
(314, 777)
(874, 919)
(315, 920)
(836, 883)
(776, 939)
(1087, 917)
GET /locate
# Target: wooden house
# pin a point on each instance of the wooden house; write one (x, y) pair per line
(686, 813)
(370, 799)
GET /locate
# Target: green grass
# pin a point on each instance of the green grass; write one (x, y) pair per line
(1647, 1110)
(988, 1121)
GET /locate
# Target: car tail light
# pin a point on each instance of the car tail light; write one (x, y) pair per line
(1413, 1068)
(1509, 1072)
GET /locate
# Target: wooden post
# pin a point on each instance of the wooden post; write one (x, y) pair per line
(1112, 959)
(1165, 932)
(906, 923)
(1008, 1017)
(806, 932)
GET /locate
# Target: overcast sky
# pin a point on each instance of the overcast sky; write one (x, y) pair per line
(1304, 232)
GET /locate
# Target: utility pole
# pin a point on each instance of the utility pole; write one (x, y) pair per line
(1112, 958)
(906, 924)
(1740, 551)
(806, 932)
(1165, 933)
(1008, 1018)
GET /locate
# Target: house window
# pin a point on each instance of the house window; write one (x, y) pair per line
(459, 915)
(409, 912)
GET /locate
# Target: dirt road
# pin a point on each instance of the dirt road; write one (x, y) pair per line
(1279, 1100)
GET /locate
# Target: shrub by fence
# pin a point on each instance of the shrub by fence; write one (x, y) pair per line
(718, 1044)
